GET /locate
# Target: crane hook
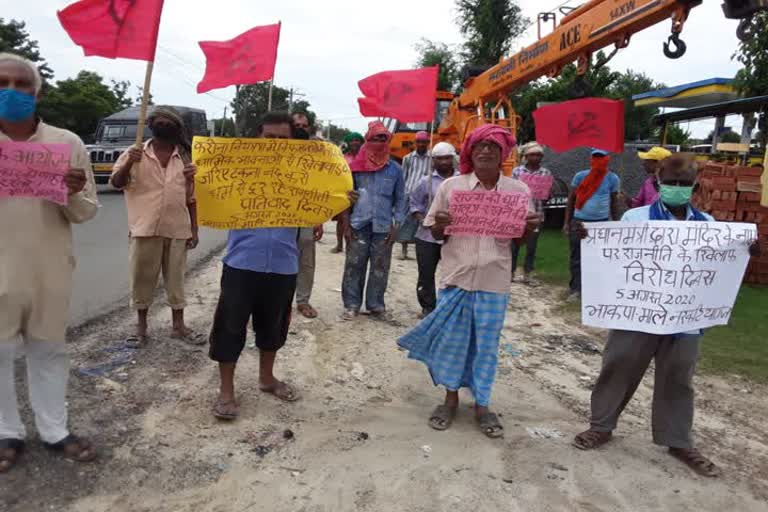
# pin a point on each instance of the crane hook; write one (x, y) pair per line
(675, 47)
(745, 29)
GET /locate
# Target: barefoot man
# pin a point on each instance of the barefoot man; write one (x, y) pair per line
(459, 341)
(36, 264)
(628, 353)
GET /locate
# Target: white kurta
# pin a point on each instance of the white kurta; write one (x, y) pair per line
(36, 259)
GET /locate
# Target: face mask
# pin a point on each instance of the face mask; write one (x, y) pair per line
(675, 196)
(600, 164)
(16, 106)
(165, 132)
(300, 133)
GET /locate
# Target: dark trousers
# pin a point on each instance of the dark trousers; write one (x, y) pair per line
(427, 258)
(530, 252)
(625, 361)
(576, 254)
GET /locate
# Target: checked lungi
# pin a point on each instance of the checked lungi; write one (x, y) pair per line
(459, 340)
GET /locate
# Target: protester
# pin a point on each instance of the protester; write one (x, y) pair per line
(354, 142)
(593, 198)
(416, 165)
(649, 191)
(158, 181)
(36, 264)
(459, 341)
(628, 353)
(427, 248)
(308, 237)
(257, 284)
(533, 154)
(372, 225)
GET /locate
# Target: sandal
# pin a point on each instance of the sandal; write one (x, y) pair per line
(227, 411)
(442, 417)
(10, 451)
(74, 448)
(696, 461)
(591, 439)
(490, 425)
(190, 337)
(307, 310)
(137, 341)
(282, 391)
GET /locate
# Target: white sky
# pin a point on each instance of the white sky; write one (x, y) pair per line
(328, 46)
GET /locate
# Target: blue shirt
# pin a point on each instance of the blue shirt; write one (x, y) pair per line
(382, 198)
(597, 207)
(643, 213)
(266, 250)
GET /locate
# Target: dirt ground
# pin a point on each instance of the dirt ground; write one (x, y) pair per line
(358, 439)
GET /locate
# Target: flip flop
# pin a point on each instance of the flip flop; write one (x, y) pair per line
(74, 448)
(282, 391)
(220, 412)
(190, 337)
(591, 439)
(490, 425)
(442, 417)
(307, 310)
(10, 451)
(137, 341)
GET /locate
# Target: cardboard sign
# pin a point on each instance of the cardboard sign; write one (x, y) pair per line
(490, 213)
(30, 169)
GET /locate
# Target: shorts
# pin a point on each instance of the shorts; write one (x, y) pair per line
(265, 299)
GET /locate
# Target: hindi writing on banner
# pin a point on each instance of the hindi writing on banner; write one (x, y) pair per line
(662, 277)
(30, 169)
(541, 186)
(496, 214)
(255, 183)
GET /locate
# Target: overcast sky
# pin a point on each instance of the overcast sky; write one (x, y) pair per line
(327, 46)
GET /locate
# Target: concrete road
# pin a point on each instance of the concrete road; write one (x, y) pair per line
(101, 249)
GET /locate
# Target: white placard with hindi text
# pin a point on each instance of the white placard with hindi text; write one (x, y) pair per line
(662, 277)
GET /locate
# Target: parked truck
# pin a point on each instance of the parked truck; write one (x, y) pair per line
(117, 133)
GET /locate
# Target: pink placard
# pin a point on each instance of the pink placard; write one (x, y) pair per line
(541, 186)
(29, 169)
(496, 214)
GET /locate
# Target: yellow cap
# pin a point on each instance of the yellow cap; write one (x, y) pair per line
(656, 153)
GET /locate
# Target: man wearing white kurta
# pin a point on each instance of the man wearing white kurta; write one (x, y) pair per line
(36, 264)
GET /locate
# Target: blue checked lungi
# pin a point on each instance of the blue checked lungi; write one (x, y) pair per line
(459, 341)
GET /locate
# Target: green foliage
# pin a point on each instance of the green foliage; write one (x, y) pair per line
(727, 136)
(335, 134)
(677, 135)
(228, 127)
(638, 121)
(752, 79)
(433, 53)
(251, 103)
(78, 104)
(488, 27)
(15, 39)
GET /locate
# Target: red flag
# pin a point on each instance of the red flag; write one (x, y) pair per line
(592, 122)
(408, 96)
(246, 59)
(114, 28)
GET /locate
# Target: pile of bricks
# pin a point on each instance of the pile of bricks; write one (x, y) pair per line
(732, 193)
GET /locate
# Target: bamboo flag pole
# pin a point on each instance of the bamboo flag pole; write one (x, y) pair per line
(269, 97)
(144, 104)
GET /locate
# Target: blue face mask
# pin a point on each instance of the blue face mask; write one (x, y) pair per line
(16, 106)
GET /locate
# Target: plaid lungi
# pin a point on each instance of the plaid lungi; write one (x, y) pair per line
(459, 341)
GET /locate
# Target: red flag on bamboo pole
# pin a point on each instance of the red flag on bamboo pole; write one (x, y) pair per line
(408, 96)
(591, 122)
(246, 59)
(114, 28)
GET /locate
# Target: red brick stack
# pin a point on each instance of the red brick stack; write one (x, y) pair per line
(732, 193)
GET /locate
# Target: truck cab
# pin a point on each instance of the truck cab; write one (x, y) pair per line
(117, 133)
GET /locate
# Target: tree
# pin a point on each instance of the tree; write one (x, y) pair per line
(228, 127)
(728, 135)
(433, 53)
(251, 101)
(489, 27)
(638, 121)
(677, 135)
(752, 79)
(15, 39)
(78, 104)
(120, 90)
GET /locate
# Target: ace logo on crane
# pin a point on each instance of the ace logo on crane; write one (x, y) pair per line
(571, 37)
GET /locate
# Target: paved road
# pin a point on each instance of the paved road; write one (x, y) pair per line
(101, 249)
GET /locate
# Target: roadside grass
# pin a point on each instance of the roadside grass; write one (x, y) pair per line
(740, 348)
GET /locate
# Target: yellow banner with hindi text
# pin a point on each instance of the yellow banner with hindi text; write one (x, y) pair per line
(256, 183)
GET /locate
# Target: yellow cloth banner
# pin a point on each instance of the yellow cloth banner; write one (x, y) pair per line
(256, 183)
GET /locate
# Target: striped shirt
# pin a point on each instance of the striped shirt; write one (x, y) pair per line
(474, 263)
(415, 167)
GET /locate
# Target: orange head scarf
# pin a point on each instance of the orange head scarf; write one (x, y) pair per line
(592, 181)
(373, 155)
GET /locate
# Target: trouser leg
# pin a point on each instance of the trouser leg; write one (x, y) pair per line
(672, 417)
(174, 268)
(427, 259)
(145, 255)
(306, 278)
(530, 252)
(515, 254)
(47, 375)
(575, 259)
(355, 269)
(378, 277)
(625, 361)
(11, 426)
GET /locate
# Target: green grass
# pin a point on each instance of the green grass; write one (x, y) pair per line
(740, 348)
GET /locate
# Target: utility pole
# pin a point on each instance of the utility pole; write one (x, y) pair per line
(293, 92)
(223, 122)
(238, 108)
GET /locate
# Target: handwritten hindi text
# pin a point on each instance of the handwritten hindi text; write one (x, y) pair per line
(34, 170)
(496, 214)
